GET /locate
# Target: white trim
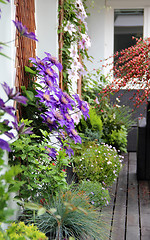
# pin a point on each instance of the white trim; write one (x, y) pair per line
(128, 3)
(146, 21)
(109, 23)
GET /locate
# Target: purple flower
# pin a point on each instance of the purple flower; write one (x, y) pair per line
(53, 60)
(51, 152)
(23, 31)
(9, 134)
(69, 151)
(82, 105)
(20, 129)
(4, 145)
(73, 134)
(16, 96)
(9, 110)
(50, 120)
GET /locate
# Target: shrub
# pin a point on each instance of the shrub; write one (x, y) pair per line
(92, 126)
(98, 163)
(119, 138)
(41, 174)
(97, 194)
(20, 231)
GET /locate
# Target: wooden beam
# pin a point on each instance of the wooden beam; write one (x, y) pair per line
(60, 41)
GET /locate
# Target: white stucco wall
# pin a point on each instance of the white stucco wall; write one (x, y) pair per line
(46, 27)
(7, 35)
(96, 28)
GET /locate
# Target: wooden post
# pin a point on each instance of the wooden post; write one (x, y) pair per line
(60, 41)
(79, 81)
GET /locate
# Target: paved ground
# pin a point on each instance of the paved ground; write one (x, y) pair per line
(129, 210)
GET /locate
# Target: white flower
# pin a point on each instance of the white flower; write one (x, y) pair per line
(109, 162)
(73, 75)
(74, 51)
(70, 28)
(117, 99)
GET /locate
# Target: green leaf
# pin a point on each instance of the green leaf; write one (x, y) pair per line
(32, 206)
(52, 210)
(4, 44)
(2, 1)
(4, 55)
(29, 95)
(27, 69)
(41, 211)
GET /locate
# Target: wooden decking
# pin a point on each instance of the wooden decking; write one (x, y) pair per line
(129, 209)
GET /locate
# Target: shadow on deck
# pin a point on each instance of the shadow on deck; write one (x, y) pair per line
(130, 204)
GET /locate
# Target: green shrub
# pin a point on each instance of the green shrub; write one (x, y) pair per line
(20, 231)
(94, 123)
(41, 174)
(98, 163)
(118, 138)
(97, 194)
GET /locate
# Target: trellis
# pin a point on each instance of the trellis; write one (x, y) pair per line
(60, 39)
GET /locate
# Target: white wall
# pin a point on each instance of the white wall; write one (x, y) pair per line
(46, 27)
(96, 26)
(6, 35)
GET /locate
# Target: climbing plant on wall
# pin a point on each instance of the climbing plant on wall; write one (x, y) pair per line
(73, 42)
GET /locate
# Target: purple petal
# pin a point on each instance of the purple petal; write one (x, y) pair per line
(10, 135)
(4, 145)
(20, 99)
(23, 30)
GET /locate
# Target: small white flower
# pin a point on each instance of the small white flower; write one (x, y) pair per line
(109, 162)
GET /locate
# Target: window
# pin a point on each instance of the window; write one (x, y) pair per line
(127, 23)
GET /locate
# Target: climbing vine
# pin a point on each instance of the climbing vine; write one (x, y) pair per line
(75, 41)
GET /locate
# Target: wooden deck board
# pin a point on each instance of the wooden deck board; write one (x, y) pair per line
(129, 209)
(144, 209)
(133, 230)
(119, 220)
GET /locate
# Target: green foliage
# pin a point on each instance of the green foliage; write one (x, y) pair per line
(20, 231)
(93, 135)
(41, 175)
(94, 123)
(97, 163)
(92, 84)
(70, 215)
(116, 120)
(33, 110)
(7, 186)
(97, 194)
(118, 138)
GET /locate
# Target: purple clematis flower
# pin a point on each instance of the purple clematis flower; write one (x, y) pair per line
(51, 152)
(82, 105)
(4, 145)
(50, 120)
(16, 96)
(73, 134)
(9, 110)
(54, 61)
(23, 31)
(69, 150)
(20, 129)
